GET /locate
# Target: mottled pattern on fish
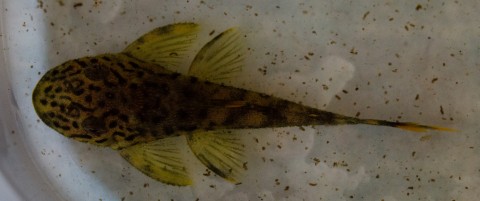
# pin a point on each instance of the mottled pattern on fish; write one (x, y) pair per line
(129, 101)
(116, 100)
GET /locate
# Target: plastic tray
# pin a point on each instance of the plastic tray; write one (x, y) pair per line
(414, 61)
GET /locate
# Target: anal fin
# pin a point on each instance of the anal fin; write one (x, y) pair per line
(161, 160)
(221, 151)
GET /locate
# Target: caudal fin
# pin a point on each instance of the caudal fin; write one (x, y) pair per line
(405, 125)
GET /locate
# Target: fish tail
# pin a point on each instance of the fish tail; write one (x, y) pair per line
(402, 125)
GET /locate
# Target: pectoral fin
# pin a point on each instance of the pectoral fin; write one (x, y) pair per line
(221, 151)
(165, 46)
(221, 58)
(161, 160)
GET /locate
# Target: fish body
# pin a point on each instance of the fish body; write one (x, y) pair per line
(132, 102)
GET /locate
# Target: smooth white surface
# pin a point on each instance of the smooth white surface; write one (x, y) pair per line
(7, 191)
(414, 61)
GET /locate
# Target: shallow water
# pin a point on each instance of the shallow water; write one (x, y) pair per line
(414, 61)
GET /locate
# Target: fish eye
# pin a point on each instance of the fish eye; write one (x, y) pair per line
(94, 125)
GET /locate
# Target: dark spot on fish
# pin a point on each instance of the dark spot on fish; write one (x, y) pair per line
(112, 124)
(88, 98)
(74, 84)
(80, 63)
(174, 75)
(168, 130)
(202, 113)
(121, 80)
(58, 89)
(150, 84)
(74, 73)
(75, 124)
(112, 112)
(48, 89)
(193, 80)
(133, 64)
(123, 98)
(94, 88)
(140, 74)
(188, 92)
(84, 136)
(68, 68)
(188, 127)
(66, 128)
(211, 125)
(55, 72)
(109, 84)
(133, 86)
(94, 125)
(120, 134)
(62, 118)
(164, 89)
(158, 118)
(120, 64)
(96, 73)
(123, 117)
(109, 95)
(182, 114)
(62, 108)
(44, 102)
(100, 141)
(74, 109)
(78, 92)
(101, 104)
(94, 60)
(56, 124)
(51, 114)
(131, 137)
(106, 58)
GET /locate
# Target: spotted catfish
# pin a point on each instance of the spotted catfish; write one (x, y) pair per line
(135, 103)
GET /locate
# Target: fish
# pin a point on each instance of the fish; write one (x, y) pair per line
(136, 102)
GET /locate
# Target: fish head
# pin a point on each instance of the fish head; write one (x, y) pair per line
(70, 98)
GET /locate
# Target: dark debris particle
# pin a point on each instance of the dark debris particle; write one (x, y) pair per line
(76, 5)
(365, 15)
(419, 7)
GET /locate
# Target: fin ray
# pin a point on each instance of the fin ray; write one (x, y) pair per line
(221, 151)
(166, 46)
(161, 160)
(221, 58)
